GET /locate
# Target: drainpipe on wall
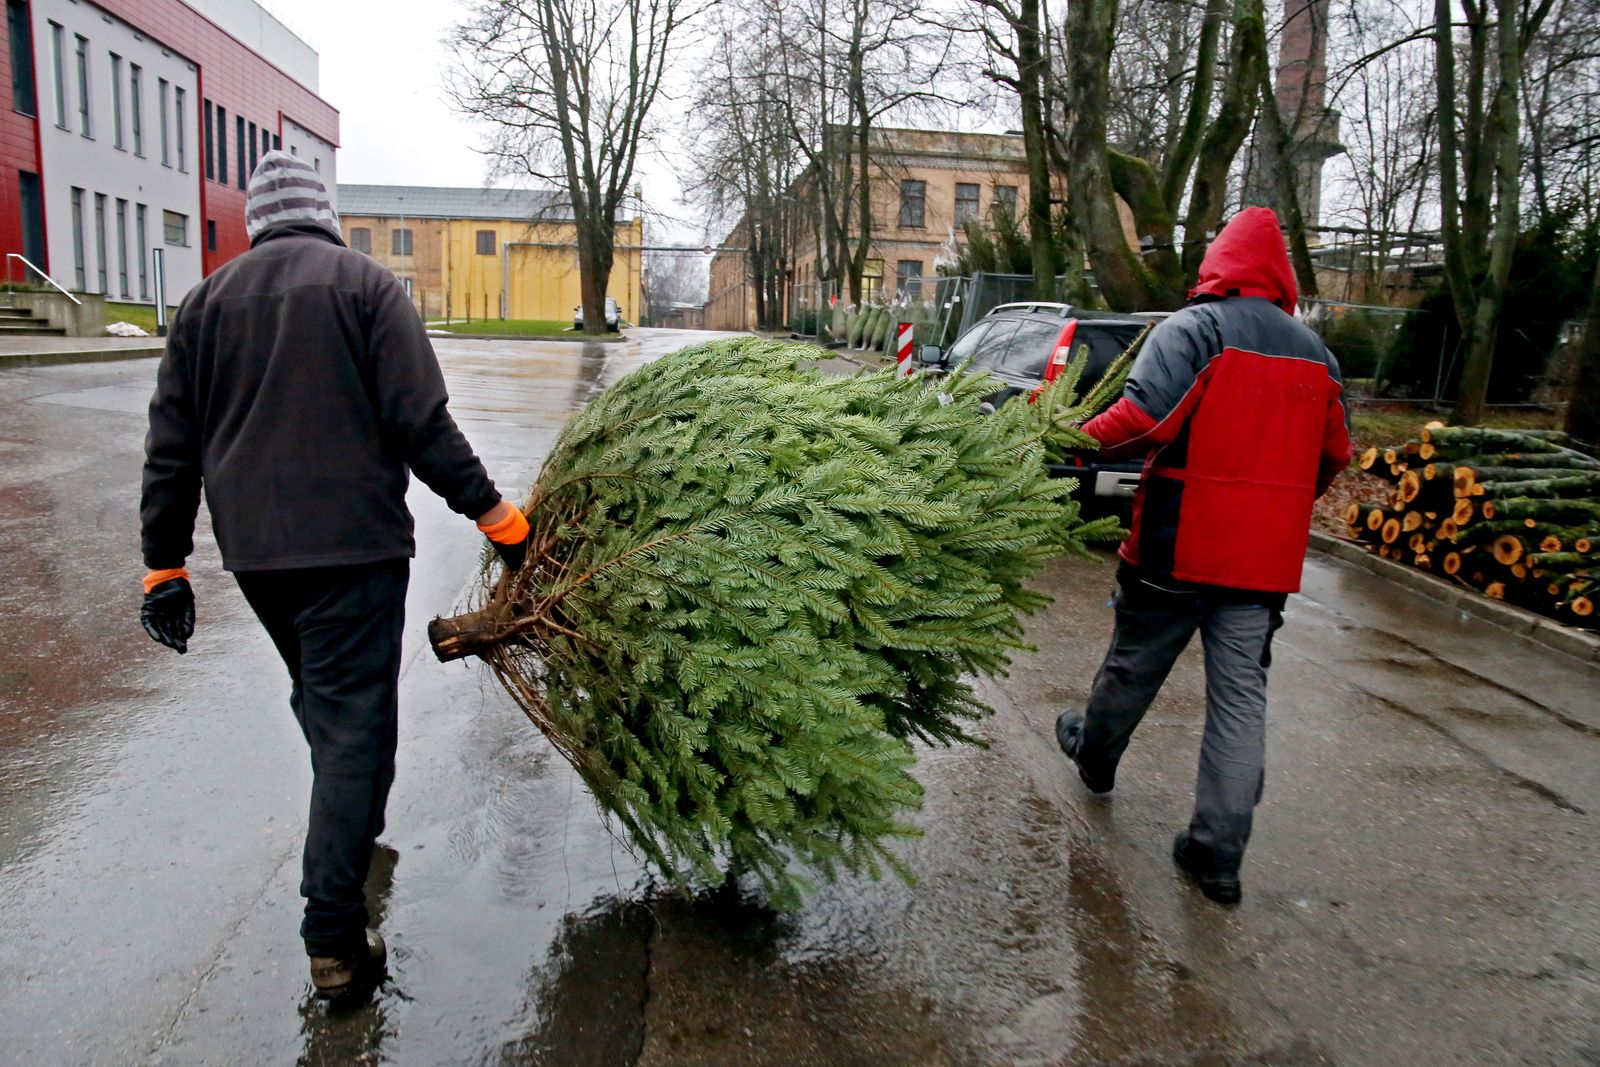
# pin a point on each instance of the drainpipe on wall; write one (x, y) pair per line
(505, 279)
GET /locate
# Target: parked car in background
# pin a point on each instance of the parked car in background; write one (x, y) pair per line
(613, 316)
(1027, 346)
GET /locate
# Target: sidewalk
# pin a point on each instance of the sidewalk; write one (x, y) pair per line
(45, 351)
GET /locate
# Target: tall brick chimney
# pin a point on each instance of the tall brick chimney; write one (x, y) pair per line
(1301, 89)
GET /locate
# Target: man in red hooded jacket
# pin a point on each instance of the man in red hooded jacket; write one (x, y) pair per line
(1238, 408)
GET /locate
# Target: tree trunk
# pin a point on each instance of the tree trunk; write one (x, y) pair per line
(595, 254)
(1571, 512)
(1031, 78)
(1093, 207)
(1279, 150)
(1247, 59)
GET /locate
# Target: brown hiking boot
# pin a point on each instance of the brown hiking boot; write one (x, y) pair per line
(337, 976)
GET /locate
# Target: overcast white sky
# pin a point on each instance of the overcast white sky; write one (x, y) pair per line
(381, 62)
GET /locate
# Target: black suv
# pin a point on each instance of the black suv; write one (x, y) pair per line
(1027, 346)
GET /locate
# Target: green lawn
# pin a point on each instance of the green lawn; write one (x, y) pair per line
(1393, 424)
(510, 327)
(141, 315)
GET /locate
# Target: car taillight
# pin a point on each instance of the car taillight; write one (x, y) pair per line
(1063, 351)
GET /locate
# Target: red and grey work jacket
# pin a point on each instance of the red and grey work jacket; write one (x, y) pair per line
(1239, 408)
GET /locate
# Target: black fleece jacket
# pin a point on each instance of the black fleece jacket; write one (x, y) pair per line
(298, 387)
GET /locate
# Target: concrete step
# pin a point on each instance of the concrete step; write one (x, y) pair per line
(15, 313)
(30, 328)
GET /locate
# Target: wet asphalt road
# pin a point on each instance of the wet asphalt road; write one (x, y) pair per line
(1423, 887)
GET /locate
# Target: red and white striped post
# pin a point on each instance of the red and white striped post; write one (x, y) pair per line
(902, 338)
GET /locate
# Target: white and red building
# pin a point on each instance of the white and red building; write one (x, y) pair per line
(132, 125)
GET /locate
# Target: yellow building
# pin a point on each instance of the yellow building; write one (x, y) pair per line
(484, 253)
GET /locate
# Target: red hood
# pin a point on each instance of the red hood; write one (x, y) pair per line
(1248, 258)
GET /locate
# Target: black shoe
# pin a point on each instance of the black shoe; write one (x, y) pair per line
(1069, 735)
(343, 976)
(1221, 886)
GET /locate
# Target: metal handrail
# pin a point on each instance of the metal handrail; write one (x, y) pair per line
(24, 261)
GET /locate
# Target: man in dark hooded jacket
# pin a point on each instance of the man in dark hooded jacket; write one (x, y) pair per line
(299, 389)
(1238, 407)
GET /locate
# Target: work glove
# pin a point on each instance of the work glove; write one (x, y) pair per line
(168, 610)
(508, 532)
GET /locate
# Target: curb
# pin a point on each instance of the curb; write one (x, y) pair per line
(1577, 643)
(580, 339)
(10, 360)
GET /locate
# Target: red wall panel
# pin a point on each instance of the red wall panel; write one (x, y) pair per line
(19, 150)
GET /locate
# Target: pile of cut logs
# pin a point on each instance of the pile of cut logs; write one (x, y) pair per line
(1513, 513)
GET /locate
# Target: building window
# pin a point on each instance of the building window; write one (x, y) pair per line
(222, 145)
(908, 278)
(211, 235)
(872, 277)
(277, 142)
(485, 242)
(966, 201)
(122, 248)
(361, 239)
(211, 145)
(21, 36)
(56, 48)
(253, 148)
(161, 102)
(77, 240)
(116, 101)
(182, 131)
(242, 179)
(401, 245)
(83, 87)
(100, 241)
(1005, 199)
(136, 103)
(31, 198)
(913, 202)
(175, 229)
(139, 212)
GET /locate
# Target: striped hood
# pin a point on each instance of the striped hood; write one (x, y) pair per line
(285, 188)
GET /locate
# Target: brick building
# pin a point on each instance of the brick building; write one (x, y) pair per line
(134, 125)
(924, 183)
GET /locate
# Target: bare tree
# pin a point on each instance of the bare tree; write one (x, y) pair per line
(1480, 170)
(746, 163)
(675, 278)
(845, 67)
(1561, 116)
(1386, 183)
(1191, 173)
(1016, 56)
(566, 88)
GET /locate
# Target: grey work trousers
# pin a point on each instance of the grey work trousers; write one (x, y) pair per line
(1154, 621)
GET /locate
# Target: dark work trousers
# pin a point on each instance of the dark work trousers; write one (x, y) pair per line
(1154, 621)
(338, 630)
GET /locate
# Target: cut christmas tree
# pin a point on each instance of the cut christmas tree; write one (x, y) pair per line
(751, 585)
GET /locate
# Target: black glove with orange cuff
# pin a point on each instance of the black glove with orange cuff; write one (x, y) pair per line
(168, 610)
(507, 530)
